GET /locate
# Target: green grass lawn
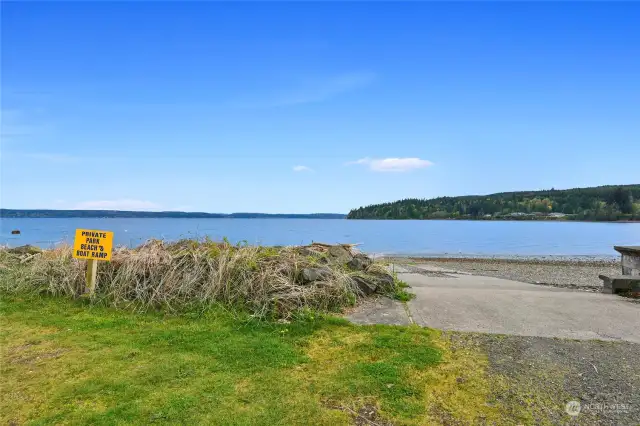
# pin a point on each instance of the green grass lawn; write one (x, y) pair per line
(69, 362)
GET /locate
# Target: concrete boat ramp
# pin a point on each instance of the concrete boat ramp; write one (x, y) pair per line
(450, 300)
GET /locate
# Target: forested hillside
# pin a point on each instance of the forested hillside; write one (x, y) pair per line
(602, 203)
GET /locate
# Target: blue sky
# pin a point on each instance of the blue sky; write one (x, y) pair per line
(312, 107)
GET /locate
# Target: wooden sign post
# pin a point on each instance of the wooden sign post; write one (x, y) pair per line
(93, 246)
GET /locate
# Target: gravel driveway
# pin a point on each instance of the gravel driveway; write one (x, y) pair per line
(545, 374)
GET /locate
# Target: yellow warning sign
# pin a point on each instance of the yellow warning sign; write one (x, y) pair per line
(92, 244)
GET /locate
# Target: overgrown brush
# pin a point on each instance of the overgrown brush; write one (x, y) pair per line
(265, 281)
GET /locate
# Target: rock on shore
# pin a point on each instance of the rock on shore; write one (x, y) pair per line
(368, 278)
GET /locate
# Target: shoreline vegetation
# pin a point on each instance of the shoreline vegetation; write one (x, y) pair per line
(267, 282)
(595, 204)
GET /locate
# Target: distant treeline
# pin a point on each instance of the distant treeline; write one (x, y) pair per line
(602, 203)
(15, 213)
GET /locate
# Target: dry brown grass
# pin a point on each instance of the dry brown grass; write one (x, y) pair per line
(263, 280)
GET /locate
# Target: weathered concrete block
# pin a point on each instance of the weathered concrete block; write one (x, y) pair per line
(630, 265)
(617, 283)
(630, 259)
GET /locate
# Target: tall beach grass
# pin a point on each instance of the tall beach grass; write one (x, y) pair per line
(265, 281)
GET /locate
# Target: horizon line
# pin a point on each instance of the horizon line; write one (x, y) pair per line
(160, 211)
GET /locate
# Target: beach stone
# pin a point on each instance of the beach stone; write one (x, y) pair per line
(384, 282)
(360, 262)
(315, 274)
(374, 283)
(340, 254)
(365, 284)
(27, 249)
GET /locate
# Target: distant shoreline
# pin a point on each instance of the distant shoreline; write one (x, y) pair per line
(128, 214)
(608, 203)
(293, 216)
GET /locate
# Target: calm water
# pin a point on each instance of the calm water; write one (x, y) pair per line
(389, 237)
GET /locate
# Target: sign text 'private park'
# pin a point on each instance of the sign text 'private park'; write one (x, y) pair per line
(93, 244)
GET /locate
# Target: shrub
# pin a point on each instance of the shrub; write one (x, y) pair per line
(262, 280)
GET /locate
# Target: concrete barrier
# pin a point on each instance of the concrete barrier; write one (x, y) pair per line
(617, 283)
(630, 259)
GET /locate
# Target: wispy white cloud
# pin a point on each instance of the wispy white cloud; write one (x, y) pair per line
(393, 164)
(121, 204)
(311, 92)
(302, 169)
